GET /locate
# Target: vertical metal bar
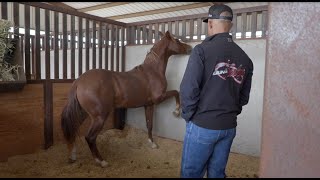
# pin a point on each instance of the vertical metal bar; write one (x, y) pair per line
(170, 27)
(150, 34)
(117, 49)
(106, 65)
(138, 34)
(112, 48)
(234, 26)
(72, 46)
(56, 45)
(65, 45)
(80, 45)
(87, 45)
(163, 30)
(191, 31)
(123, 51)
(156, 32)
(184, 29)
(144, 34)
(47, 42)
(26, 40)
(244, 25)
(37, 43)
(253, 24)
(94, 53)
(100, 45)
(16, 18)
(176, 28)
(199, 29)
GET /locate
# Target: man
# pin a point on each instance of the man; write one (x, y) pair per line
(215, 86)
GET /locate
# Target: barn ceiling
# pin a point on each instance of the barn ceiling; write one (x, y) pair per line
(129, 12)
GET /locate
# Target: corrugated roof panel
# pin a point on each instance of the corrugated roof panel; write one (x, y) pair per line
(134, 8)
(148, 6)
(80, 5)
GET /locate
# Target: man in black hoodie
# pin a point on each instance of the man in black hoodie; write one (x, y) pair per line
(215, 86)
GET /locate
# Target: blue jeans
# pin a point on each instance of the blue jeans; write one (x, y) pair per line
(205, 150)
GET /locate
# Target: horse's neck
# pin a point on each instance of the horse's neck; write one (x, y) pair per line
(157, 60)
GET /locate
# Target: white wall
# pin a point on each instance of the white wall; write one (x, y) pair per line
(166, 125)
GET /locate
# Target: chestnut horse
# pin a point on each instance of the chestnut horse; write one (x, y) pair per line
(98, 92)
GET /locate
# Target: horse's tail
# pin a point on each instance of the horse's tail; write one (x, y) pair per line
(72, 116)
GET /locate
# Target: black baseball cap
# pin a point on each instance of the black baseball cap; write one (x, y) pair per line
(216, 10)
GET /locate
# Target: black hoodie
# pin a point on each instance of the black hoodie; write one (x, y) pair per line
(216, 83)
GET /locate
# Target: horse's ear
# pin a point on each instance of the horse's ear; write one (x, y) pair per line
(168, 34)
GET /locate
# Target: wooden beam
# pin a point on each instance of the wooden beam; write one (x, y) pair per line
(102, 6)
(76, 13)
(158, 11)
(196, 16)
(62, 5)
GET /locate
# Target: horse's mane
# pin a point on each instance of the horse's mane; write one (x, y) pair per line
(151, 55)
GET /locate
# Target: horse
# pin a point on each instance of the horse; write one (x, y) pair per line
(97, 92)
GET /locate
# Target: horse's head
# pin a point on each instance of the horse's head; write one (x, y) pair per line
(175, 46)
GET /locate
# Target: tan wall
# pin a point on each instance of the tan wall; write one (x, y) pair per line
(291, 125)
(21, 121)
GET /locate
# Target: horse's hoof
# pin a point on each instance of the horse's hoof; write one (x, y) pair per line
(154, 146)
(70, 161)
(103, 164)
(176, 113)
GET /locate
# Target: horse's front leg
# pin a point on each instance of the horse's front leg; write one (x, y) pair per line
(173, 93)
(149, 119)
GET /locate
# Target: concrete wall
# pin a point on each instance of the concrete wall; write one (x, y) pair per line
(166, 125)
(291, 126)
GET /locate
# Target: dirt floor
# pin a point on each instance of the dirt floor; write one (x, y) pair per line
(129, 156)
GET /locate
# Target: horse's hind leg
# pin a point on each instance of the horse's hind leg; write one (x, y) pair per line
(149, 119)
(72, 151)
(91, 138)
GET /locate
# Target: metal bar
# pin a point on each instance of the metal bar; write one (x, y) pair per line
(56, 45)
(72, 46)
(112, 48)
(94, 52)
(87, 45)
(26, 41)
(65, 45)
(106, 65)
(37, 43)
(80, 45)
(253, 24)
(117, 50)
(123, 49)
(100, 45)
(47, 43)
(243, 25)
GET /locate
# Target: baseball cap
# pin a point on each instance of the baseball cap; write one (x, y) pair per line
(216, 10)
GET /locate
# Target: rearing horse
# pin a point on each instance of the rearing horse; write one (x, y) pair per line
(97, 92)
